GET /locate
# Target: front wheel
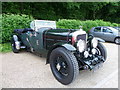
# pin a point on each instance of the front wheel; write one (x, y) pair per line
(64, 65)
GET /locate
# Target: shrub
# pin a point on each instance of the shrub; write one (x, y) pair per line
(11, 22)
(87, 25)
(69, 24)
(6, 47)
(0, 27)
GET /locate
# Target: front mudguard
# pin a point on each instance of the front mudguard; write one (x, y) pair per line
(90, 37)
(69, 47)
(65, 45)
(100, 40)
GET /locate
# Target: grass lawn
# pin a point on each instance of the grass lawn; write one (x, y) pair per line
(6, 47)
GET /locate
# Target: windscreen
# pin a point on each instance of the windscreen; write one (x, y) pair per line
(42, 23)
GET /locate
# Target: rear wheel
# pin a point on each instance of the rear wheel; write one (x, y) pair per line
(14, 49)
(64, 65)
(117, 40)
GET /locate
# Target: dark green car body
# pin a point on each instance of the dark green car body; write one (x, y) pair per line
(67, 50)
(46, 39)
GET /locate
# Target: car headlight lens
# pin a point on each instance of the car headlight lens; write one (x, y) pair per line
(86, 54)
(81, 45)
(94, 42)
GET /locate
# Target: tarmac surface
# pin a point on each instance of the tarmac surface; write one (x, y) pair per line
(26, 70)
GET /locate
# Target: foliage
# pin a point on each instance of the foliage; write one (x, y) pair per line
(6, 47)
(0, 27)
(107, 11)
(87, 25)
(11, 22)
(17, 15)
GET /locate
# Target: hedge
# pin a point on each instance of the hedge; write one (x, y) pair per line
(11, 22)
(6, 47)
(87, 25)
(0, 28)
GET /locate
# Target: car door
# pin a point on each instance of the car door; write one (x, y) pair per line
(97, 32)
(108, 34)
(34, 40)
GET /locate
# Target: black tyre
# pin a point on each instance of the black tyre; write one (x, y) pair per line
(64, 65)
(13, 46)
(102, 50)
(117, 41)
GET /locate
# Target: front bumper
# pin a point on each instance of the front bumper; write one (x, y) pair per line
(94, 61)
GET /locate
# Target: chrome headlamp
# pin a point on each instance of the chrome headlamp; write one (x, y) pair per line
(94, 42)
(81, 45)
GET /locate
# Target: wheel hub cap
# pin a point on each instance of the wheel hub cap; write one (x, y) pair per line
(117, 40)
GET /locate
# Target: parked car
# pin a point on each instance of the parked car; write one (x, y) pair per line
(118, 28)
(106, 33)
(68, 50)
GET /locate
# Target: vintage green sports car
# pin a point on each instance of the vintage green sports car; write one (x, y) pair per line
(68, 51)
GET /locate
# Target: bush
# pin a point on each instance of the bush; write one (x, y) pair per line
(0, 27)
(69, 24)
(6, 47)
(11, 22)
(87, 25)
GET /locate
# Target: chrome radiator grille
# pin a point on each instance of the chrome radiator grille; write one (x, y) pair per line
(83, 37)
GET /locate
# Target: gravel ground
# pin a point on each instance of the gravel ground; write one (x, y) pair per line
(26, 70)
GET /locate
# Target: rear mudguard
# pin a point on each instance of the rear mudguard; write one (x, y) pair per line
(66, 46)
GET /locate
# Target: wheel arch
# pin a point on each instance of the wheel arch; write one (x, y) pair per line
(117, 37)
(64, 45)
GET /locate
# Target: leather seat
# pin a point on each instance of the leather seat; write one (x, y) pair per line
(22, 30)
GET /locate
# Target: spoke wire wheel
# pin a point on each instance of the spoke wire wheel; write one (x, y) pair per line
(98, 51)
(101, 50)
(64, 65)
(117, 40)
(61, 66)
(14, 49)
